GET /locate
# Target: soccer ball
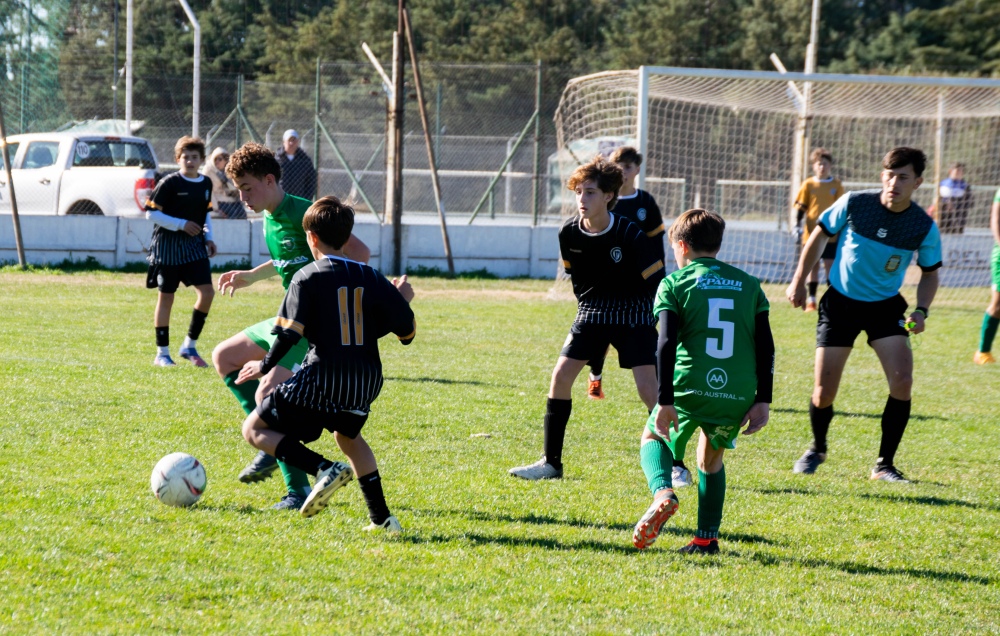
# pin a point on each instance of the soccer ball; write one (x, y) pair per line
(178, 480)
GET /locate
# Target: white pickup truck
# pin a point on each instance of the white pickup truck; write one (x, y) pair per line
(78, 173)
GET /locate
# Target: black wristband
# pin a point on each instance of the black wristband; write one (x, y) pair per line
(923, 310)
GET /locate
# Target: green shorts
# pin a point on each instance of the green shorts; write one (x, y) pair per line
(719, 435)
(260, 334)
(995, 267)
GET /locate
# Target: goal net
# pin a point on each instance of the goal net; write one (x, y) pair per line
(737, 142)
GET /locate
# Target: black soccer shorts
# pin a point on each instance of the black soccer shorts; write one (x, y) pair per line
(167, 278)
(305, 424)
(841, 319)
(635, 344)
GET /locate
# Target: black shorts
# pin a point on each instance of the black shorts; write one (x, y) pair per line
(830, 251)
(167, 278)
(841, 319)
(305, 424)
(635, 344)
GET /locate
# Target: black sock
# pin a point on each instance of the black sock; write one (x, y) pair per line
(294, 453)
(680, 462)
(597, 367)
(371, 488)
(812, 289)
(197, 324)
(820, 420)
(556, 417)
(162, 336)
(894, 420)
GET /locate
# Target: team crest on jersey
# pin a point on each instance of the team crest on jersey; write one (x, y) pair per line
(616, 254)
(882, 232)
(641, 214)
(833, 192)
(288, 243)
(892, 264)
(208, 195)
(717, 378)
(712, 281)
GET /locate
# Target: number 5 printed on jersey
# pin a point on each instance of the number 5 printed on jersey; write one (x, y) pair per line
(712, 346)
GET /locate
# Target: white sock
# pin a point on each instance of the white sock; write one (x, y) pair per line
(812, 299)
(188, 343)
(163, 351)
(595, 378)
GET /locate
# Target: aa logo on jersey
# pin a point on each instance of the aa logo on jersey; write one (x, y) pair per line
(641, 214)
(616, 254)
(892, 264)
(717, 378)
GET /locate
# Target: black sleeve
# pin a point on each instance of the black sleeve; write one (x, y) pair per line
(666, 356)
(649, 260)
(162, 197)
(282, 345)
(764, 346)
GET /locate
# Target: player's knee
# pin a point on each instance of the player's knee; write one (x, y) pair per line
(249, 433)
(900, 385)
(220, 360)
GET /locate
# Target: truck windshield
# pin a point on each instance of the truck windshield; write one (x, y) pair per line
(104, 153)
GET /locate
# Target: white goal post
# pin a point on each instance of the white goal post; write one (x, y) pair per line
(735, 141)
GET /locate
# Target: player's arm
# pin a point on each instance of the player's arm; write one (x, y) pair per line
(666, 359)
(929, 260)
(760, 412)
(209, 241)
(995, 218)
(356, 250)
(800, 206)
(403, 321)
(650, 262)
(240, 278)
(289, 328)
(810, 256)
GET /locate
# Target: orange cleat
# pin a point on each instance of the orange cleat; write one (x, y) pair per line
(594, 390)
(983, 357)
(811, 306)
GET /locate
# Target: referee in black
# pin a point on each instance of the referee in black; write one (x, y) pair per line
(342, 308)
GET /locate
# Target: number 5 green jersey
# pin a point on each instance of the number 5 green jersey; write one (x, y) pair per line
(715, 376)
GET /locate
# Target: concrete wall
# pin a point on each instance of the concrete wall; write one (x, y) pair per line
(503, 249)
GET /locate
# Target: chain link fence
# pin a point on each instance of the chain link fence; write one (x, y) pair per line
(476, 114)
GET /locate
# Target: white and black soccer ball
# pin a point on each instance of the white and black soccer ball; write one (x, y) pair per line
(178, 480)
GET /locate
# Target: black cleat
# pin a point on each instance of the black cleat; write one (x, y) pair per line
(809, 462)
(695, 548)
(259, 469)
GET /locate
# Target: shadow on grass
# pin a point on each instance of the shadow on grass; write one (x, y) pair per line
(603, 547)
(868, 416)
(930, 501)
(859, 568)
(439, 381)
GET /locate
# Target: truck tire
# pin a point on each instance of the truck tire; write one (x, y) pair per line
(88, 208)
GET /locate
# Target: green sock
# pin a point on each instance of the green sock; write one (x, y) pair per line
(297, 481)
(245, 393)
(988, 332)
(656, 461)
(711, 497)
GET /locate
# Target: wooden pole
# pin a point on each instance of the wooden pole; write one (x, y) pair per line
(427, 139)
(316, 130)
(18, 243)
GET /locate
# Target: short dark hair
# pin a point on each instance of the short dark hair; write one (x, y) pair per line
(330, 220)
(903, 156)
(700, 229)
(820, 153)
(605, 174)
(253, 159)
(626, 154)
(189, 143)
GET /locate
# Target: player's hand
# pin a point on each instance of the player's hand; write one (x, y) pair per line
(250, 371)
(757, 416)
(212, 249)
(233, 280)
(191, 228)
(796, 294)
(915, 323)
(404, 287)
(666, 418)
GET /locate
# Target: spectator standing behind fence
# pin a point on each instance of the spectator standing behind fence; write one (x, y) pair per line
(225, 195)
(956, 201)
(298, 175)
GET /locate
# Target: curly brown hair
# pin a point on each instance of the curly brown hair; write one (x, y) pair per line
(608, 177)
(253, 159)
(189, 143)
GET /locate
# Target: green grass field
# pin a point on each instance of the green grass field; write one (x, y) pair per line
(87, 549)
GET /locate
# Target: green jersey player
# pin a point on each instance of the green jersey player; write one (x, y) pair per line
(715, 360)
(255, 171)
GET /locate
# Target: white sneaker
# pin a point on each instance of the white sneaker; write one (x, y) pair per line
(389, 526)
(327, 483)
(541, 469)
(680, 476)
